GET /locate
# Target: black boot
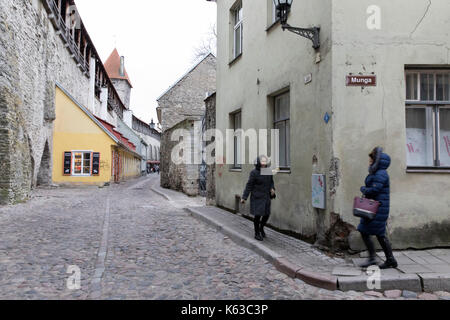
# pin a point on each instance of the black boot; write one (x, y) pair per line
(390, 260)
(263, 224)
(258, 235)
(371, 261)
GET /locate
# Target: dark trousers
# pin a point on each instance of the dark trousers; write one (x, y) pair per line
(384, 242)
(260, 223)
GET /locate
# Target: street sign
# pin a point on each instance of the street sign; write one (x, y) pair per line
(361, 81)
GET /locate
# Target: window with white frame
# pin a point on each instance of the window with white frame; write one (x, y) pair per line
(283, 124)
(237, 126)
(81, 163)
(237, 16)
(428, 118)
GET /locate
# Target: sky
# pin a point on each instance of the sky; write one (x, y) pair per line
(157, 38)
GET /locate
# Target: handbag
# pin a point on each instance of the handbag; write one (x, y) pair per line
(365, 208)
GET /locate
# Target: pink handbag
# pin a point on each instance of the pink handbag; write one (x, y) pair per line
(365, 208)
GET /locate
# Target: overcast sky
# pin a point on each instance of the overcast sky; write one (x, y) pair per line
(157, 38)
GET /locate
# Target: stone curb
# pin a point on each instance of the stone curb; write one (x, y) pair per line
(433, 282)
(281, 263)
(410, 282)
(161, 193)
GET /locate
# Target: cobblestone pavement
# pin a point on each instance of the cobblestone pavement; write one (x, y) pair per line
(131, 243)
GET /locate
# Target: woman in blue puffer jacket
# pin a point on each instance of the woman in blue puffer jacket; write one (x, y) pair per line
(377, 188)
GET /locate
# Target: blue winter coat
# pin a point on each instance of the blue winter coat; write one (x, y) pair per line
(377, 188)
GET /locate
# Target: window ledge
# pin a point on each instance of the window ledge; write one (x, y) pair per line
(270, 27)
(234, 60)
(428, 170)
(284, 171)
(235, 170)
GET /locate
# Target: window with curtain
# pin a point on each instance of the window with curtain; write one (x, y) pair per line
(427, 118)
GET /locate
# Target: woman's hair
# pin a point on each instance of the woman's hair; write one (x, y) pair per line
(373, 153)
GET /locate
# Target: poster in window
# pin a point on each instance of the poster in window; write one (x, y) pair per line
(96, 163)
(67, 163)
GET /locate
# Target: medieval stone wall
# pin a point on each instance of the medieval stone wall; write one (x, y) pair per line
(210, 119)
(186, 98)
(32, 59)
(123, 90)
(183, 176)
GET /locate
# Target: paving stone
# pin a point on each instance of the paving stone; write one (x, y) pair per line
(439, 268)
(409, 294)
(427, 296)
(431, 260)
(358, 261)
(155, 250)
(346, 271)
(442, 293)
(374, 294)
(392, 293)
(414, 268)
(445, 258)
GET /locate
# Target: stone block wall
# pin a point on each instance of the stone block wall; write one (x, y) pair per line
(32, 59)
(181, 177)
(210, 119)
(186, 97)
(123, 89)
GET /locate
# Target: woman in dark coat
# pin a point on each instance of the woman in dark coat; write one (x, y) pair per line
(377, 187)
(262, 189)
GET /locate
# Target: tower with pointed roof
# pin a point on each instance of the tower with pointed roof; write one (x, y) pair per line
(115, 67)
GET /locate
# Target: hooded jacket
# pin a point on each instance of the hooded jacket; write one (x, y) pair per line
(377, 187)
(259, 187)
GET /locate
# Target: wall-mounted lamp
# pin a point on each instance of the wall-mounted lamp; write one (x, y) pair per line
(283, 7)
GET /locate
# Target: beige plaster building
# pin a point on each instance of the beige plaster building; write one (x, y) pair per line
(267, 78)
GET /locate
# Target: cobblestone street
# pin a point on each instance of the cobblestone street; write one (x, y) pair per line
(130, 243)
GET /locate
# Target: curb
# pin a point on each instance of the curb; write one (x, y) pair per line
(281, 263)
(162, 194)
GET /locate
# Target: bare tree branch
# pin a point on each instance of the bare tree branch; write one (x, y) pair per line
(206, 46)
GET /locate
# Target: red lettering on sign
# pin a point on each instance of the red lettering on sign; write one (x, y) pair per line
(447, 144)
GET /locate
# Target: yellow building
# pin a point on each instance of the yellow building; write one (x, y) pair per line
(88, 150)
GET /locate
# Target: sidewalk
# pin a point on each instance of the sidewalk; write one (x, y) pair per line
(418, 271)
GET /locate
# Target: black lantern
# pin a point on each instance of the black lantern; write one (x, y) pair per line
(283, 7)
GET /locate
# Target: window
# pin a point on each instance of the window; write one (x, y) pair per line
(237, 30)
(81, 163)
(237, 126)
(273, 12)
(282, 123)
(428, 119)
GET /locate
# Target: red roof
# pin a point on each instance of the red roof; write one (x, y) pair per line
(118, 135)
(112, 67)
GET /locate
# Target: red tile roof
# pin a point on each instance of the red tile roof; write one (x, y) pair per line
(112, 67)
(118, 135)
